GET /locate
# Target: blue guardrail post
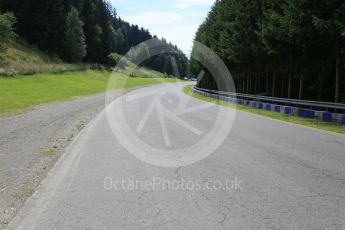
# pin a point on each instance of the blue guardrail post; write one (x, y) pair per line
(342, 119)
(327, 116)
(306, 113)
(277, 108)
(268, 107)
(287, 110)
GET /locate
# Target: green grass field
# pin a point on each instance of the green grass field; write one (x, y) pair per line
(332, 127)
(23, 92)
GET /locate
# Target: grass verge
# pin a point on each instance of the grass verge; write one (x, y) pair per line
(21, 92)
(327, 126)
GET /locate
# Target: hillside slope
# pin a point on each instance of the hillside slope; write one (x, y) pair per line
(24, 59)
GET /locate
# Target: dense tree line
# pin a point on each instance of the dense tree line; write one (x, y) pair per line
(169, 59)
(79, 30)
(283, 48)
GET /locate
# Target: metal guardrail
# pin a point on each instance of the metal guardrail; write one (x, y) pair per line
(282, 101)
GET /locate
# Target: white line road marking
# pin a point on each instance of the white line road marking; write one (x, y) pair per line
(177, 120)
(160, 112)
(147, 115)
(193, 109)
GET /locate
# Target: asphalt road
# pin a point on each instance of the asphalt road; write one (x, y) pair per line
(33, 140)
(248, 172)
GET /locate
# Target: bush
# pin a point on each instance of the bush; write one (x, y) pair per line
(113, 59)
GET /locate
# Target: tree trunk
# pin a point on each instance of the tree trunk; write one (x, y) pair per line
(239, 85)
(243, 84)
(267, 82)
(256, 84)
(282, 88)
(337, 73)
(247, 90)
(274, 84)
(300, 95)
(319, 92)
(289, 86)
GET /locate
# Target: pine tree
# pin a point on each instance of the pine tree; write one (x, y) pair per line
(74, 45)
(329, 20)
(92, 32)
(54, 27)
(112, 35)
(104, 22)
(120, 42)
(7, 21)
(22, 9)
(290, 48)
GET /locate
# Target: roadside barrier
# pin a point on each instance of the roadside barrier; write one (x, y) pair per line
(323, 111)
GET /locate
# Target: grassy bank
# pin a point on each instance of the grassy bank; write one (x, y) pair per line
(278, 116)
(21, 92)
(23, 59)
